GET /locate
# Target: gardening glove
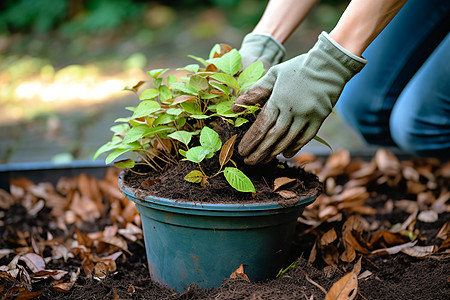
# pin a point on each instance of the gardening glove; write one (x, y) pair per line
(261, 47)
(297, 96)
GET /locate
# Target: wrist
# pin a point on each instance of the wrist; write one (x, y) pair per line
(352, 43)
(345, 50)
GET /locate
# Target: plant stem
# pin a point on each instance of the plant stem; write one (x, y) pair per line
(138, 173)
(202, 170)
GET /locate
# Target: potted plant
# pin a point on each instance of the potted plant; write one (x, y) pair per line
(204, 212)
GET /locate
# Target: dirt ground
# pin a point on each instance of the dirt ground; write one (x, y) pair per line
(391, 215)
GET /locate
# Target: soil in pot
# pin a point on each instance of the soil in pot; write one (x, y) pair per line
(170, 183)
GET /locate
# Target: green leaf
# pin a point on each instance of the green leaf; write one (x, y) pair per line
(322, 141)
(164, 93)
(238, 180)
(205, 74)
(149, 94)
(142, 131)
(182, 152)
(157, 82)
(119, 129)
(194, 176)
(122, 120)
(251, 108)
(125, 164)
(250, 75)
(180, 121)
(156, 72)
(221, 87)
(197, 154)
(208, 96)
(184, 88)
(107, 147)
(121, 150)
(227, 79)
(229, 63)
(135, 133)
(174, 111)
(171, 79)
(192, 108)
(199, 59)
(240, 121)
(146, 108)
(198, 82)
(224, 110)
(193, 68)
(210, 139)
(200, 117)
(164, 119)
(182, 136)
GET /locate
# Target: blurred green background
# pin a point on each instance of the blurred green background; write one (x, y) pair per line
(63, 64)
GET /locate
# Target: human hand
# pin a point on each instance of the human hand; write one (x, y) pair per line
(261, 47)
(296, 96)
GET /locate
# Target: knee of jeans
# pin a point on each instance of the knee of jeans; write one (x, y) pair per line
(352, 112)
(370, 125)
(414, 140)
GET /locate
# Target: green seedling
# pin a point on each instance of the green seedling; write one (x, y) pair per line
(174, 119)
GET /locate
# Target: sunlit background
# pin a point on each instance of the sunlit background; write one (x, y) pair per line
(64, 64)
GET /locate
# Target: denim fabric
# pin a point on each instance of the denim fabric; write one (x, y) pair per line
(402, 96)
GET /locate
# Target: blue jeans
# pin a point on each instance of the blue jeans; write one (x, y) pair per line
(402, 97)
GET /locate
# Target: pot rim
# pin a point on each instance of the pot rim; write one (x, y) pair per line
(263, 206)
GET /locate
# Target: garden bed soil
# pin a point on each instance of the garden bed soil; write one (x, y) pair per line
(394, 276)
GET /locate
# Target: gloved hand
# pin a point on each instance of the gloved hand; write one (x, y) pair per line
(261, 47)
(297, 96)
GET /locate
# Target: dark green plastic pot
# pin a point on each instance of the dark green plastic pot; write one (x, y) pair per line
(192, 243)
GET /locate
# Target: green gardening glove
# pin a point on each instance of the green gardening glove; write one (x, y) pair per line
(261, 47)
(296, 96)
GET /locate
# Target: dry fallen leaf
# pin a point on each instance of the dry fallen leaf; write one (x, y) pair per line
(394, 250)
(63, 286)
(239, 273)
(444, 233)
(386, 161)
(287, 194)
(420, 251)
(281, 181)
(33, 261)
(428, 216)
(345, 288)
(329, 237)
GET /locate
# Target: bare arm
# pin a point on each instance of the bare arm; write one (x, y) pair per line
(359, 25)
(363, 21)
(282, 17)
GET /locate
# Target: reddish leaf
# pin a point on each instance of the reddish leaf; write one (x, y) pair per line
(227, 151)
(183, 98)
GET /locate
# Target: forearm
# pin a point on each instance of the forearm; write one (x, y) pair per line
(282, 17)
(363, 21)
